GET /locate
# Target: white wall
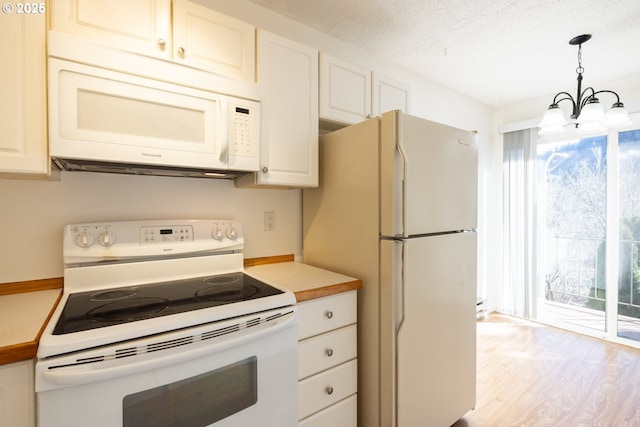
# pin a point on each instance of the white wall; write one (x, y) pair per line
(527, 115)
(32, 213)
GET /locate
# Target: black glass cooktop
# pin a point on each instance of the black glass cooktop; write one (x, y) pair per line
(97, 309)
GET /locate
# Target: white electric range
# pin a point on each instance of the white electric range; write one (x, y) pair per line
(159, 325)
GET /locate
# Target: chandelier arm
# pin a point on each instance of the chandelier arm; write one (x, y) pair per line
(584, 98)
(608, 91)
(567, 97)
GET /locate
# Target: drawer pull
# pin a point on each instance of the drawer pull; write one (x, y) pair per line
(329, 352)
(329, 390)
(329, 314)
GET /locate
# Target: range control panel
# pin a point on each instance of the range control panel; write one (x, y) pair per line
(119, 240)
(182, 233)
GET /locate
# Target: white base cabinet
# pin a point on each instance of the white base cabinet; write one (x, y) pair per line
(17, 394)
(343, 413)
(327, 361)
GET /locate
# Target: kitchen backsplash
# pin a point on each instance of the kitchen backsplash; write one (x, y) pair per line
(33, 214)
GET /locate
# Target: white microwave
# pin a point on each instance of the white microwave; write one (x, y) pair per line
(108, 121)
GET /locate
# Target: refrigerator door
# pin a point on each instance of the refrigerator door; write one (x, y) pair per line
(429, 177)
(436, 336)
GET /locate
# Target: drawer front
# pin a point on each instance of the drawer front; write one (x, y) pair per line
(323, 390)
(343, 414)
(325, 314)
(319, 353)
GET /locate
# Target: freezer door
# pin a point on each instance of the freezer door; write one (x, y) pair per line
(429, 176)
(436, 339)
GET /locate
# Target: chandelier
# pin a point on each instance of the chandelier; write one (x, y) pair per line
(588, 114)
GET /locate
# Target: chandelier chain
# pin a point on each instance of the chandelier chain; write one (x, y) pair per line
(580, 69)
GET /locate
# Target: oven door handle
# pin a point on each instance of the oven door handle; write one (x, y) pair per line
(100, 371)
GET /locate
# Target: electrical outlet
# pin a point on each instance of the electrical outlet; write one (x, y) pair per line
(269, 220)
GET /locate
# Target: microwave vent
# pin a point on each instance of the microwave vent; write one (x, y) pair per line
(80, 165)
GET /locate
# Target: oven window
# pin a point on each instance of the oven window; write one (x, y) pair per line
(197, 401)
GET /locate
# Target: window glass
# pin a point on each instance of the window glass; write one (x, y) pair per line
(197, 401)
(572, 214)
(629, 252)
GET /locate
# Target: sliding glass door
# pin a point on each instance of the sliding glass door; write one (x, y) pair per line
(628, 313)
(587, 228)
(571, 230)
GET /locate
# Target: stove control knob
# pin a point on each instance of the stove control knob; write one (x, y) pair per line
(231, 232)
(217, 232)
(106, 238)
(84, 239)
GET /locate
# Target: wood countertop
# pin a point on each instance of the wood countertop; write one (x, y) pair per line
(305, 281)
(23, 317)
(25, 307)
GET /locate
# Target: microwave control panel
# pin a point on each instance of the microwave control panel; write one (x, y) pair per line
(244, 128)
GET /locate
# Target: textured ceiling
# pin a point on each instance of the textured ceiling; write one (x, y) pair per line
(495, 51)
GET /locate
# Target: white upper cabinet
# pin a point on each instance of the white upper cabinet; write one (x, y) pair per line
(345, 90)
(23, 145)
(388, 94)
(182, 31)
(206, 39)
(350, 93)
(288, 83)
(142, 26)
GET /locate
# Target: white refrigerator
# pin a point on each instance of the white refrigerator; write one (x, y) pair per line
(397, 208)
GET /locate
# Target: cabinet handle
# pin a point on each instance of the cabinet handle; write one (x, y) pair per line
(329, 314)
(181, 52)
(162, 44)
(329, 352)
(265, 169)
(329, 390)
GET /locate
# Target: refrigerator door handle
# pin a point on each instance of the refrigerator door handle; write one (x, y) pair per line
(399, 321)
(400, 305)
(403, 156)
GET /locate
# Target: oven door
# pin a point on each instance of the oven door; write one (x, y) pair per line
(239, 372)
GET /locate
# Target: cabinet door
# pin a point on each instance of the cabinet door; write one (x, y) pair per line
(326, 314)
(345, 90)
(288, 81)
(323, 390)
(343, 414)
(23, 146)
(206, 39)
(389, 94)
(326, 350)
(17, 394)
(141, 26)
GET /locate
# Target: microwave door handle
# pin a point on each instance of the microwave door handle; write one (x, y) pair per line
(223, 132)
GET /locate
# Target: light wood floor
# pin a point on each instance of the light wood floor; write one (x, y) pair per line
(537, 376)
